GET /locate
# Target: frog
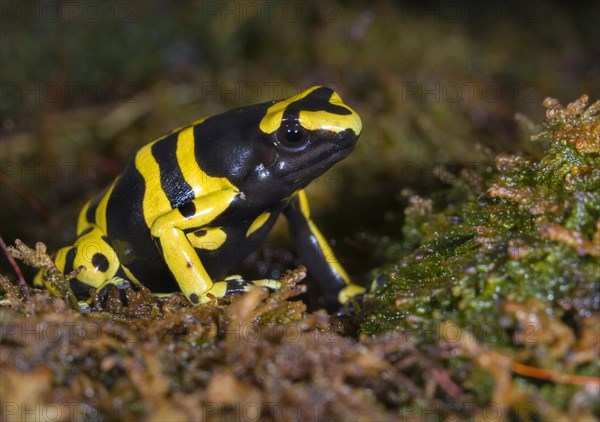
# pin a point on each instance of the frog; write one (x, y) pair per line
(190, 205)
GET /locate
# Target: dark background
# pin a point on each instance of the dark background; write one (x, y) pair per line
(84, 83)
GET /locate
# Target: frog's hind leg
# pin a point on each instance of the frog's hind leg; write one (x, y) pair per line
(101, 265)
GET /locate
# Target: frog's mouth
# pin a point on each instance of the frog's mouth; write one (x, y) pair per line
(321, 164)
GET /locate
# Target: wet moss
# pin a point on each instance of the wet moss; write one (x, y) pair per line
(529, 228)
(513, 257)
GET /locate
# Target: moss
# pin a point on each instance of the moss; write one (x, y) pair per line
(512, 260)
(527, 229)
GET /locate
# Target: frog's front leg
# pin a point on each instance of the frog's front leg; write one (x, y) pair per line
(179, 254)
(318, 255)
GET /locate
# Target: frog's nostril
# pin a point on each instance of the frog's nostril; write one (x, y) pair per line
(270, 158)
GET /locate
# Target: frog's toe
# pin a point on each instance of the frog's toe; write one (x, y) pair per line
(269, 283)
(229, 286)
(120, 283)
(84, 307)
(237, 284)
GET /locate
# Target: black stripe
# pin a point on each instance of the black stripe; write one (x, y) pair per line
(318, 100)
(85, 231)
(188, 209)
(90, 215)
(69, 260)
(124, 211)
(291, 115)
(177, 190)
(129, 236)
(218, 140)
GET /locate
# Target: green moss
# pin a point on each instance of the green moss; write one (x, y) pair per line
(505, 272)
(526, 229)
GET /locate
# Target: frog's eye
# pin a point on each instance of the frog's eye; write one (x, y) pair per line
(292, 136)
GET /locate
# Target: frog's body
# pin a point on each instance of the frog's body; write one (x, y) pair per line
(195, 202)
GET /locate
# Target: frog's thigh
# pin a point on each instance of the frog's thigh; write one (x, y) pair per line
(92, 251)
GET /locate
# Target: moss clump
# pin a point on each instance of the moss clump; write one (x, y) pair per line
(524, 228)
(509, 255)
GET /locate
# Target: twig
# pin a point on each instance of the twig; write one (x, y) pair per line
(547, 374)
(15, 266)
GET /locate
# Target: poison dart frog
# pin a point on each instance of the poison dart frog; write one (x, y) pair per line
(192, 204)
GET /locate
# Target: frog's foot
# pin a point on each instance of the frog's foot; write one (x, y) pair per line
(351, 297)
(237, 284)
(84, 307)
(118, 282)
(349, 292)
(378, 283)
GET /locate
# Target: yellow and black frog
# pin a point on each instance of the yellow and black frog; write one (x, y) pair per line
(190, 205)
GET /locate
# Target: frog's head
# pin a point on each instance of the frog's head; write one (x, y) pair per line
(307, 134)
(273, 149)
